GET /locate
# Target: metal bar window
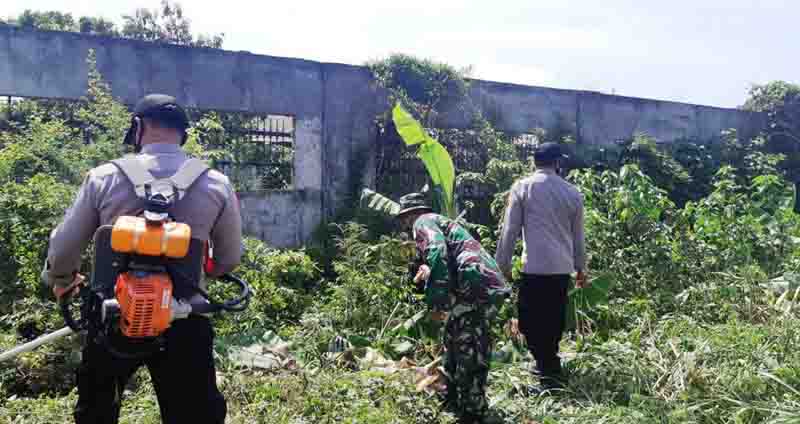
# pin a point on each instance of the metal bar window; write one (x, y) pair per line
(526, 145)
(257, 151)
(399, 170)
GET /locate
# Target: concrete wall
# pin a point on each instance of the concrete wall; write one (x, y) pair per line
(334, 108)
(282, 218)
(596, 118)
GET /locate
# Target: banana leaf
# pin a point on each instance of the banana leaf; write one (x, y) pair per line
(410, 130)
(582, 300)
(379, 203)
(435, 157)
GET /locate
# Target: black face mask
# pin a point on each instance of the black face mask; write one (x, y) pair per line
(137, 136)
(131, 137)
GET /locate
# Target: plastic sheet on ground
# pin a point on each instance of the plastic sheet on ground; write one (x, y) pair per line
(430, 378)
(270, 353)
(784, 283)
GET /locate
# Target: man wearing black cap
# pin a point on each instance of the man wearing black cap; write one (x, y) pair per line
(549, 212)
(157, 111)
(183, 373)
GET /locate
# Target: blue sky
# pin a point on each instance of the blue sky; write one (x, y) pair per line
(702, 51)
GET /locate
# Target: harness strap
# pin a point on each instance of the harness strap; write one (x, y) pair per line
(137, 174)
(144, 182)
(188, 173)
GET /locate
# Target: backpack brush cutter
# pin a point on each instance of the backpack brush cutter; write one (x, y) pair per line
(146, 273)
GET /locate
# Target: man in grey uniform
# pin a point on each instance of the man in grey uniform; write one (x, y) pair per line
(183, 373)
(549, 212)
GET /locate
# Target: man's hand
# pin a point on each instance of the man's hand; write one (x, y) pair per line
(69, 290)
(581, 280)
(422, 274)
(438, 315)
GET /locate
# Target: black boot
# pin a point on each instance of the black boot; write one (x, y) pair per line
(467, 418)
(552, 382)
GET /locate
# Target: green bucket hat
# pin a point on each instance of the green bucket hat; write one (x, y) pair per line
(413, 202)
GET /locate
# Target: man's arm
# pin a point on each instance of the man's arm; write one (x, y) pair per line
(70, 238)
(226, 236)
(579, 242)
(432, 247)
(579, 246)
(512, 225)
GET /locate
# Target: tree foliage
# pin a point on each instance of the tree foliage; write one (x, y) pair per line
(780, 101)
(58, 21)
(97, 26)
(50, 20)
(167, 24)
(422, 86)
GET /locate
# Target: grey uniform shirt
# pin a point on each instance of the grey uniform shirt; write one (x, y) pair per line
(549, 212)
(210, 207)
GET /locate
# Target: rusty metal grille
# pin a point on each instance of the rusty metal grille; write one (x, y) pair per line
(6, 108)
(525, 145)
(399, 171)
(15, 112)
(257, 151)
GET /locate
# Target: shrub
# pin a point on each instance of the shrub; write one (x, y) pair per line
(28, 212)
(371, 281)
(282, 284)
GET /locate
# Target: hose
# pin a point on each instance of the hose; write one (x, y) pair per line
(64, 305)
(237, 304)
(240, 303)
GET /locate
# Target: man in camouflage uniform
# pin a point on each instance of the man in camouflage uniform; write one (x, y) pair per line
(463, 279)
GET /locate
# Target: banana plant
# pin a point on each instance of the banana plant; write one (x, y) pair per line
(435, 157)
(377, 202)
(437, 162)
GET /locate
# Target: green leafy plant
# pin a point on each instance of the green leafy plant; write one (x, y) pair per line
(375, 201)
(437, 160)
(583, 300)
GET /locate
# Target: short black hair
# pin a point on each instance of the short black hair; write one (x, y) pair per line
(546, 154)
(545, 162)
(162, 122)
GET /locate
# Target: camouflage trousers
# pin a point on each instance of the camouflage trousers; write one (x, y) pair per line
(466, 339)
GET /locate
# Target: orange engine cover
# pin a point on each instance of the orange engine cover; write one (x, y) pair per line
(145, 300)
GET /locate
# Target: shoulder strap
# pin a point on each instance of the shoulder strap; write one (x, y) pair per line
(188, 173)
(143, 180)
(137, 174)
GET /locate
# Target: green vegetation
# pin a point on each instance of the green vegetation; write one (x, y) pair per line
(437, 160)
(168, 24)
(699, 239)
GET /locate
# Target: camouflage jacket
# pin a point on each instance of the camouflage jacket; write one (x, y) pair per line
(462, 272)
